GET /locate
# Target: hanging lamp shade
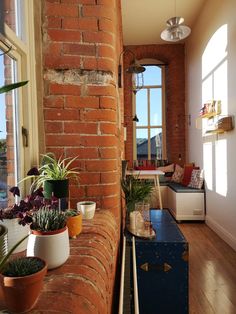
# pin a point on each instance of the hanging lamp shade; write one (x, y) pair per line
(175, 31)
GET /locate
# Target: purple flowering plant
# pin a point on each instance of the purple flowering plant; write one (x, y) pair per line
(27, 206)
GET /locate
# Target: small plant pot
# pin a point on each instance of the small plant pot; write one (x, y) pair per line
(21, 293)
(87, 208)
(53, 246)
(57, 188)
(74, 225)
(15, 233)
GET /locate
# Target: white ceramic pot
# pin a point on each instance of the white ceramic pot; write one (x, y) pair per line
(52, 247)
(87, 208)
(15, 233)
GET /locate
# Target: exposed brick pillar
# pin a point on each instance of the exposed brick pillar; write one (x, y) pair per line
(81, 102)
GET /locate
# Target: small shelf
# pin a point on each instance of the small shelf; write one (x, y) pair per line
(209, 115)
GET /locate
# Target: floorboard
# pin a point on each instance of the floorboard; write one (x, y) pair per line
(212, 271)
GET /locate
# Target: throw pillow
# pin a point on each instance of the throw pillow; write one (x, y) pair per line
(178, 174)
(196, 181)
(187, 174)
(169, 168)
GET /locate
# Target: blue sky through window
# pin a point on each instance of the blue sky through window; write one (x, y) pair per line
(152, 77)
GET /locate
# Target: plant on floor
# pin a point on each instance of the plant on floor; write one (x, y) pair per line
(135, 191)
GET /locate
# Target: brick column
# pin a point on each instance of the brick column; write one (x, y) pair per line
(81, 98)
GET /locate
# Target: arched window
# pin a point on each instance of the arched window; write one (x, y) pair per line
(149, 107)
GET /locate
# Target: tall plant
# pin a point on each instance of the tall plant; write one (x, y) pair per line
(135, 190)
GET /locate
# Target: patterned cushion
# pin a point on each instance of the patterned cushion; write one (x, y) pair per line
(169, 168)
(178, 174)
(196, 181)
(187, 174)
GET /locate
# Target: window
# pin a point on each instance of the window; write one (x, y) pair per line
(18, 108)
(149, 131)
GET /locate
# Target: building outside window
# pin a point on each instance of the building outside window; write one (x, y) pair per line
(149, 106)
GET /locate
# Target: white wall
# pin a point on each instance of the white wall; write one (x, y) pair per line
(213, 38)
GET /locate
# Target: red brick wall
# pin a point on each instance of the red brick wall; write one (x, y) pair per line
(173, 56)
(81, 100)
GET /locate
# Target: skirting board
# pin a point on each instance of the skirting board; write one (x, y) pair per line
(224, 234)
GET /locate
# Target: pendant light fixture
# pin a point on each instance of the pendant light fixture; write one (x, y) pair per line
(175, 31)
(136, 69)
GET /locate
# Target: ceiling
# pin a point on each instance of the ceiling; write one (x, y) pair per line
(144, 20)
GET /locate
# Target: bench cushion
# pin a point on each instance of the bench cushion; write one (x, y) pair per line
(179, 188)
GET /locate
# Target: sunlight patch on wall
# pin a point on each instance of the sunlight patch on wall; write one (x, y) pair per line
(215, 87)
(207, 164)
(220, 86)
(221, 167)
(215, 52)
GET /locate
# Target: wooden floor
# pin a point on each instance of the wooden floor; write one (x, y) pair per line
(212, 271)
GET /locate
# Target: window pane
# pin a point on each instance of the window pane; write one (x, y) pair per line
(156, 143)
(141, 107)
(8, 137)
(14, 16)
(155, 106)
(142, 143)
(152, 75)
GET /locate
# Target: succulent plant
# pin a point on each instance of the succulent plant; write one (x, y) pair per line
(47, 219)
(23, 266)
(72, 213)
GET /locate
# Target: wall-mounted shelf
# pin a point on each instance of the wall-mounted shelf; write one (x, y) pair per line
(215, 122)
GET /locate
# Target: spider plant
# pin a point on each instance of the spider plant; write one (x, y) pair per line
(7, 88)
(51, 169)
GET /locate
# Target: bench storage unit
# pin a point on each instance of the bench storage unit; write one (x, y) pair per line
(185, 203)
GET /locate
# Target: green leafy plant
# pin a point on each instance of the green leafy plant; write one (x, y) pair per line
(23, 266)
(46, 219)
(52, 169)
(135, 190)
(7, 88)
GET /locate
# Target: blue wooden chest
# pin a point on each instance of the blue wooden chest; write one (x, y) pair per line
(162, 268)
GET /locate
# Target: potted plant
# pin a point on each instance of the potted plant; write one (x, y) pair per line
(73, 222)
(53, 175)
(135, 191)
(21, 280)
(87, 208)
(49, 237)
(15, 217)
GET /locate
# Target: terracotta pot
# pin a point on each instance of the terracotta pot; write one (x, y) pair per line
(74, 225)
(15, 233)
(53, 246)
(21, 293)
